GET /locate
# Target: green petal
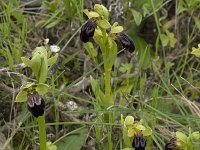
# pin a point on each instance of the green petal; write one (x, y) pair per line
(52, 60)
(42, 89)
(140, 127)
(147, 131)
(101, 10)
(21, 97)
(117, 29)
(104, 24)
(28, 85)
(26, 61)
(91, 14)
(129, 120)
(131, 132)
(181, 136)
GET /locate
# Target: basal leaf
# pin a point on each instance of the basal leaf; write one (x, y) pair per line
(73, 140)
(137, 17)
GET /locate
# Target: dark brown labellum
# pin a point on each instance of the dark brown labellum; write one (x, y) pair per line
(35, 104)
(87, 30)
(171, 145)
(126, 42)
(139, 142)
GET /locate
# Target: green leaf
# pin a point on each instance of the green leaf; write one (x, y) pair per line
(128, 149)
(99, 95)
(51, 146)
(26, 61)
(196, 51)
(104, 24)
(122, 120)
(172, 39)
(43, 70)
(42, 89)
(52, 24)
(52, 60)
(91, 14)
(9, 58)
(112, 52)
(116, 29)
(98, 32)
(126, 67)
(42, 50)
(110, 42)
(197, 22)
(36, 64)
(164, 39)
(91, 50)
(143, 52)
(73, 140)
(137, 17)
(21, 97)
(101, 10)
(98, 36)
(181, 7)
(181, 136)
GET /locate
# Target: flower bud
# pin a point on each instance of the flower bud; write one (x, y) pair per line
(87, 30)
(139, 142)
(126, 42)
(35, 104)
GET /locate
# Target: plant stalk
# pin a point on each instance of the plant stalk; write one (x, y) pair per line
(42, 132)
(107, 87)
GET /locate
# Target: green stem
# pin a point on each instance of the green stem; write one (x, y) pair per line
(42, 131)
(107, 86)
(111, 120)
(110, 145)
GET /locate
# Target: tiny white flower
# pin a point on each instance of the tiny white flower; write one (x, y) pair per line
(46, 41)
(54, 48)
(71, 105)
